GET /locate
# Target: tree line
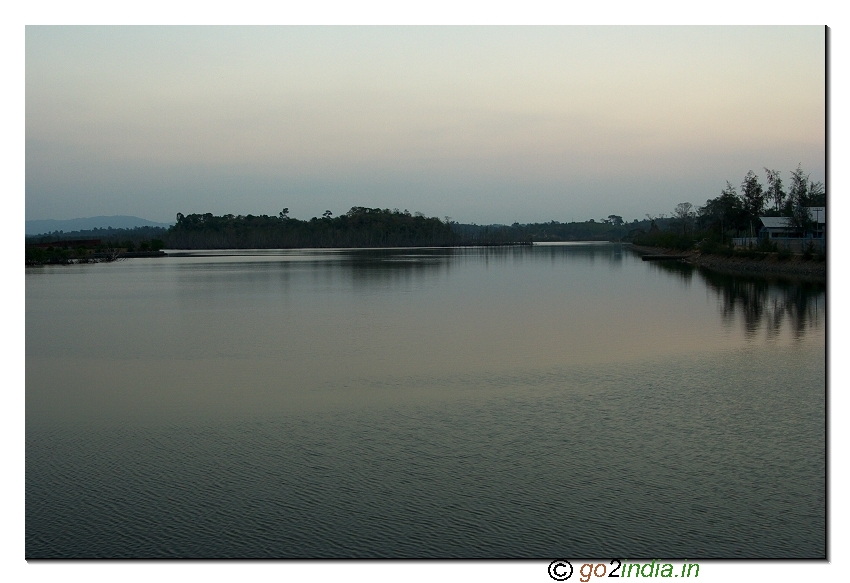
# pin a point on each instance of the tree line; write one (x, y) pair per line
(736, 213)
(730, 213)
(739, 212)
(113, 237)
(375, 227)
(611, 228)
(359, 227)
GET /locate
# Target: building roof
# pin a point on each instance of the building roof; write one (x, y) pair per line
(776, 222)
(816, 213)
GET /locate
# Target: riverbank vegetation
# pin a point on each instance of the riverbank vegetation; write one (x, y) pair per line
(710, 228)
(93, 246)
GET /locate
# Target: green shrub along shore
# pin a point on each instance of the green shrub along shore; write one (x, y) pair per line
(713, 250)
(751, 261)
(76, 251)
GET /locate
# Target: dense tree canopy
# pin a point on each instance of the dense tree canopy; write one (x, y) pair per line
(359, 227)
(374, 227)
(740, 213)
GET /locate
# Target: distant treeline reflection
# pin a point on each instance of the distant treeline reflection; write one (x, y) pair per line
(421, 258)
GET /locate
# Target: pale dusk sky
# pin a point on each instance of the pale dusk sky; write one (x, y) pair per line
(483, 124)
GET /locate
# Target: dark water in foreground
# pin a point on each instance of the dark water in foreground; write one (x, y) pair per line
(539, 402)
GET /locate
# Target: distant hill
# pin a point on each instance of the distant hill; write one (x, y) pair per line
(85, 224)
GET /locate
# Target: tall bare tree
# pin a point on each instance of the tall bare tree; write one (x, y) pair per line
(684, 213)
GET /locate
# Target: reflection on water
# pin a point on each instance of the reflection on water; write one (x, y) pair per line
(683, 271)
(760, 302)
(769, 304)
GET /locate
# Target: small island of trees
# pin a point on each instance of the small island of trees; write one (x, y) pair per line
(359, 227)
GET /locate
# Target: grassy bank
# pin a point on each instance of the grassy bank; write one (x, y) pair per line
(749, 262)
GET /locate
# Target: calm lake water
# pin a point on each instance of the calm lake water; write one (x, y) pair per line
(536, 402)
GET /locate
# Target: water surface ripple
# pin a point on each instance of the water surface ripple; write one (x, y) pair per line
(512, 432)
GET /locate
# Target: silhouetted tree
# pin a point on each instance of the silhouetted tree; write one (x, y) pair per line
(684, 213)
(752, 195)
(726, 212)
(817, 194)
(798, 199)
(774, 189)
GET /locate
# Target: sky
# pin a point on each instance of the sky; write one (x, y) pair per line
(482, 124)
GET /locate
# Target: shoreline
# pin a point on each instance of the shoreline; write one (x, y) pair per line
(768, 265)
